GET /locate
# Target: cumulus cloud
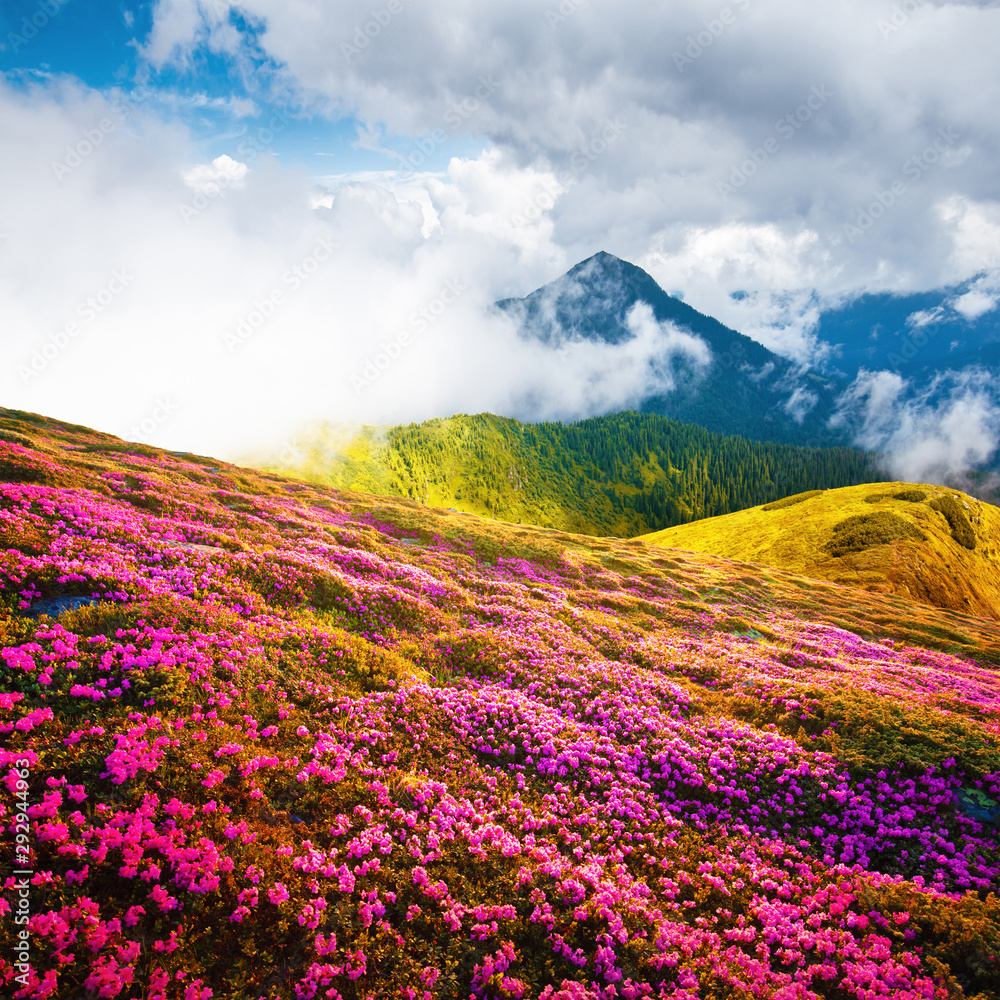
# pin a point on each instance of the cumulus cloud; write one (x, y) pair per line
(698, 110)
(212, 178)
(975, 303)
(931, 433)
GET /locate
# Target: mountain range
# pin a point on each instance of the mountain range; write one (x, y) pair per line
(722, 380)
(892, 372)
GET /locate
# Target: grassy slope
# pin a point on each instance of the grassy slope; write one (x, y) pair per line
(451, 474)
(936, 570)
(623, 474)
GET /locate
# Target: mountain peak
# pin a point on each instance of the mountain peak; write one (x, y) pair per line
(604, 259)
(590, 302)
(745, 389)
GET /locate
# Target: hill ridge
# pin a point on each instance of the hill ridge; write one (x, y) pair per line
(622, 473)
(925, 542)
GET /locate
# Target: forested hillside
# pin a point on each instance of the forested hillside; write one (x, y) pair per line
(621, 474)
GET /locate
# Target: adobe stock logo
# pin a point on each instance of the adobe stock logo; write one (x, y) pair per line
(786, 129)
(365, 34)
(30, 26)
(163, 410)
(901, 14)
(95, 136)
(454, 118)
(712, 29)
(88, 311)
(420, 322)
(865, 216)
(264, 308)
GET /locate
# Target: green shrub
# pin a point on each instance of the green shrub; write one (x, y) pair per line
(866, 732)
(792, 501)
(961, 529)
(13, 437)
(913, 496)
(865, 531)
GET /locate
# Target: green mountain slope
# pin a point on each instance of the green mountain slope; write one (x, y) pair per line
(927, 543)
(621, 474)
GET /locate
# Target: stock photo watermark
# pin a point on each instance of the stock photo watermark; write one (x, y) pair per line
(163, 410)
(264, 308)
(259, 141)
(93, 138)
(786, 128)
(911, 345)
(211, 182)
(565, 10)
(924, 327)
(580, 161)
(899, 16)
(29, 28)
(456, 115)
(17, 781)
(713, 29)
(420, 322)
(912, 169)
(87, 311)
(366, 33)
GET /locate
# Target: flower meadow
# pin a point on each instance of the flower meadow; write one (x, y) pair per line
(274, 740)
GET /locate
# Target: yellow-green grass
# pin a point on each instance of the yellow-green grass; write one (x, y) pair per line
(932, 567)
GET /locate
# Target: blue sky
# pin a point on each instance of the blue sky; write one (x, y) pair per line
(100, 43)
(92, 39)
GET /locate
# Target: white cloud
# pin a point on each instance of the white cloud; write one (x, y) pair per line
(177, 24)
(666, 346)
(975, 303)
(554, 85)
(777, 270)
(244, 318)
(800, 403)
(925, 317)
(211, 178)
(931, 433)
(869, 407)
